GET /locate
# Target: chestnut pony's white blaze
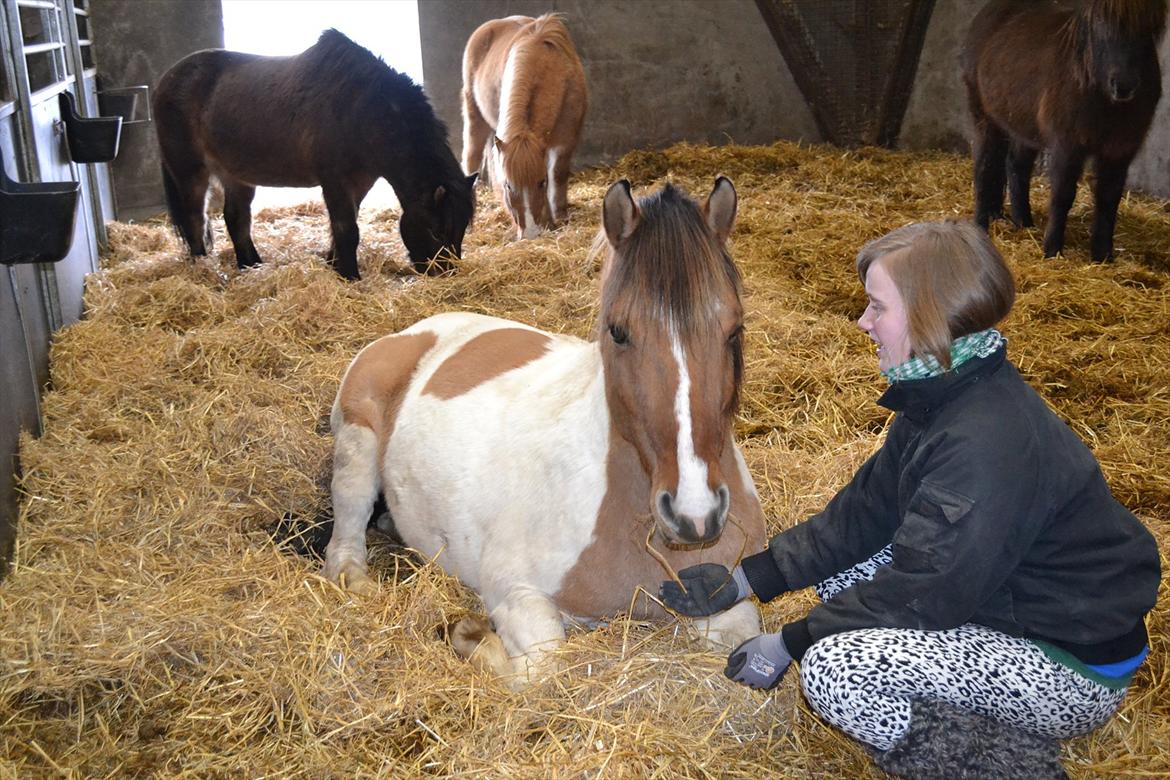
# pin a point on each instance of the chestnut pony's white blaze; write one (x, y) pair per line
(533, 466)
(524, 83)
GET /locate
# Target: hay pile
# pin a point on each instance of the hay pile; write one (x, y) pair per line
(151, 627)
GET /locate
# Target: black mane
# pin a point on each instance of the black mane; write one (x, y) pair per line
(339, 61)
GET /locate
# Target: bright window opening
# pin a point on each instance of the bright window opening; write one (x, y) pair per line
(388, 28)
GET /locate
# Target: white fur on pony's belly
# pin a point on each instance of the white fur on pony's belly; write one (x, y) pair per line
(464, 483)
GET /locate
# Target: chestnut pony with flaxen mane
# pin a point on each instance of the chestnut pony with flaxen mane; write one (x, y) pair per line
(535, 466)
(335, 116)
(523, 80)
(1079, 79)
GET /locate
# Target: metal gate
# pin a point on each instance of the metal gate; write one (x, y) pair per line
(45, 51)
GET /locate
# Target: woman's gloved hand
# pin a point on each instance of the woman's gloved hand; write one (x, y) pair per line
(760, 662)
(710, 588)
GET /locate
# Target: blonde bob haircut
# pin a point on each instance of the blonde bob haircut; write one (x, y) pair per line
(952, 279)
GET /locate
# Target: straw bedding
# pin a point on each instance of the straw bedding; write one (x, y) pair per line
(151, 626)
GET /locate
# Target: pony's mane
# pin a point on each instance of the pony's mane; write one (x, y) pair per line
(524, 161)
(670, 268)
(526, 165)
(1131, 18)
(550, 29)
(340, 61)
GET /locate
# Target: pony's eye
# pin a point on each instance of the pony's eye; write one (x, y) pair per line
(619, 335)
(735, 336)
(542, 184)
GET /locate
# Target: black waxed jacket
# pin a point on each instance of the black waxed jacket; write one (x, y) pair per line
(998, 514)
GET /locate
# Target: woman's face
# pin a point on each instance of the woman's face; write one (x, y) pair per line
(884, 319)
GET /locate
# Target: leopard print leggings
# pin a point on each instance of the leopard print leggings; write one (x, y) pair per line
(863, 681)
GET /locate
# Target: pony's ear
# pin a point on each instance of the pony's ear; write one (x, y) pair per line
(619, 214)
(472, 179)
(440, 192)
(499, 143)
(719, 208)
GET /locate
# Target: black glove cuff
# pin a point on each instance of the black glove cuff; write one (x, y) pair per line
(766, 580)
(797, 638)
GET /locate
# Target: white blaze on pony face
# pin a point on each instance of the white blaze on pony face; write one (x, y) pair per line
(529, 229)
(693, 498)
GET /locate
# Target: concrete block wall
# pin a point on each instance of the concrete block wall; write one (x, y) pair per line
(659, 71)
(135, 41)
(707, 71)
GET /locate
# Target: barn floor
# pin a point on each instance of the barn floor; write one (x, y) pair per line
(151, 627)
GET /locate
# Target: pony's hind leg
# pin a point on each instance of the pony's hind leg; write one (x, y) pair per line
(991, 149)
(1064, 169)
(476, 132)
(354, 488)
(1022, 160)
(237, 216)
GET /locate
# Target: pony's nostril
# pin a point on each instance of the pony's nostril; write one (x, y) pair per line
(666, 508)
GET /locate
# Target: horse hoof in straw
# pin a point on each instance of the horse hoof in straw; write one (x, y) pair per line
(474, 641)
(353, 579)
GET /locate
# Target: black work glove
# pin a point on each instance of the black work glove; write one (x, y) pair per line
(760, 662)
(710, 588)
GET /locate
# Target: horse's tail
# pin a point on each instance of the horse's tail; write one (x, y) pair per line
(177, 210)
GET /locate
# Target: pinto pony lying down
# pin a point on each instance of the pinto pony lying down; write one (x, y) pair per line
(537, 467)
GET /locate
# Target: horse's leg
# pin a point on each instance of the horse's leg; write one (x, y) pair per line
(1107, 197)
(991, 148)
(559, 163)
(358, 192)
(528, 627)
(1064, 169)
(1023, 160)
(725, 631)
(343, 223)
(354, 488)
(237, 215)
(476, 132)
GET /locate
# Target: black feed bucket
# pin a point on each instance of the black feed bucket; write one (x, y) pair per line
(125, 102)
(90, 140)
(36, 220)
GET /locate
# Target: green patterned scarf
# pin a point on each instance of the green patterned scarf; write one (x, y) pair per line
(964, 348)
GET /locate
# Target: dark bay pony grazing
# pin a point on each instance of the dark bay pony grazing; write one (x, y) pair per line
(1078, 79)
(523, 80)
(333, 115)
(534, 466)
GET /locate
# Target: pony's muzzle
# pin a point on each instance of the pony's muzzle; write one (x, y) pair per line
(1122, 90)
(687, 529)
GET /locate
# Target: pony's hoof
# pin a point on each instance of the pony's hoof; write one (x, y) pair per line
(474, 641)
(353, 579)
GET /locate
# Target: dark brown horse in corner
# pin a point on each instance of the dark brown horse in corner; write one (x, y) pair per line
(1080, 79)
(333, 115)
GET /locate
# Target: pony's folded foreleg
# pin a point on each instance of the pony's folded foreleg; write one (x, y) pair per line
(726, 630)
(528, 628)
(355, 488)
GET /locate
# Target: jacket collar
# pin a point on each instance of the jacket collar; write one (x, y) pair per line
(919, 398)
